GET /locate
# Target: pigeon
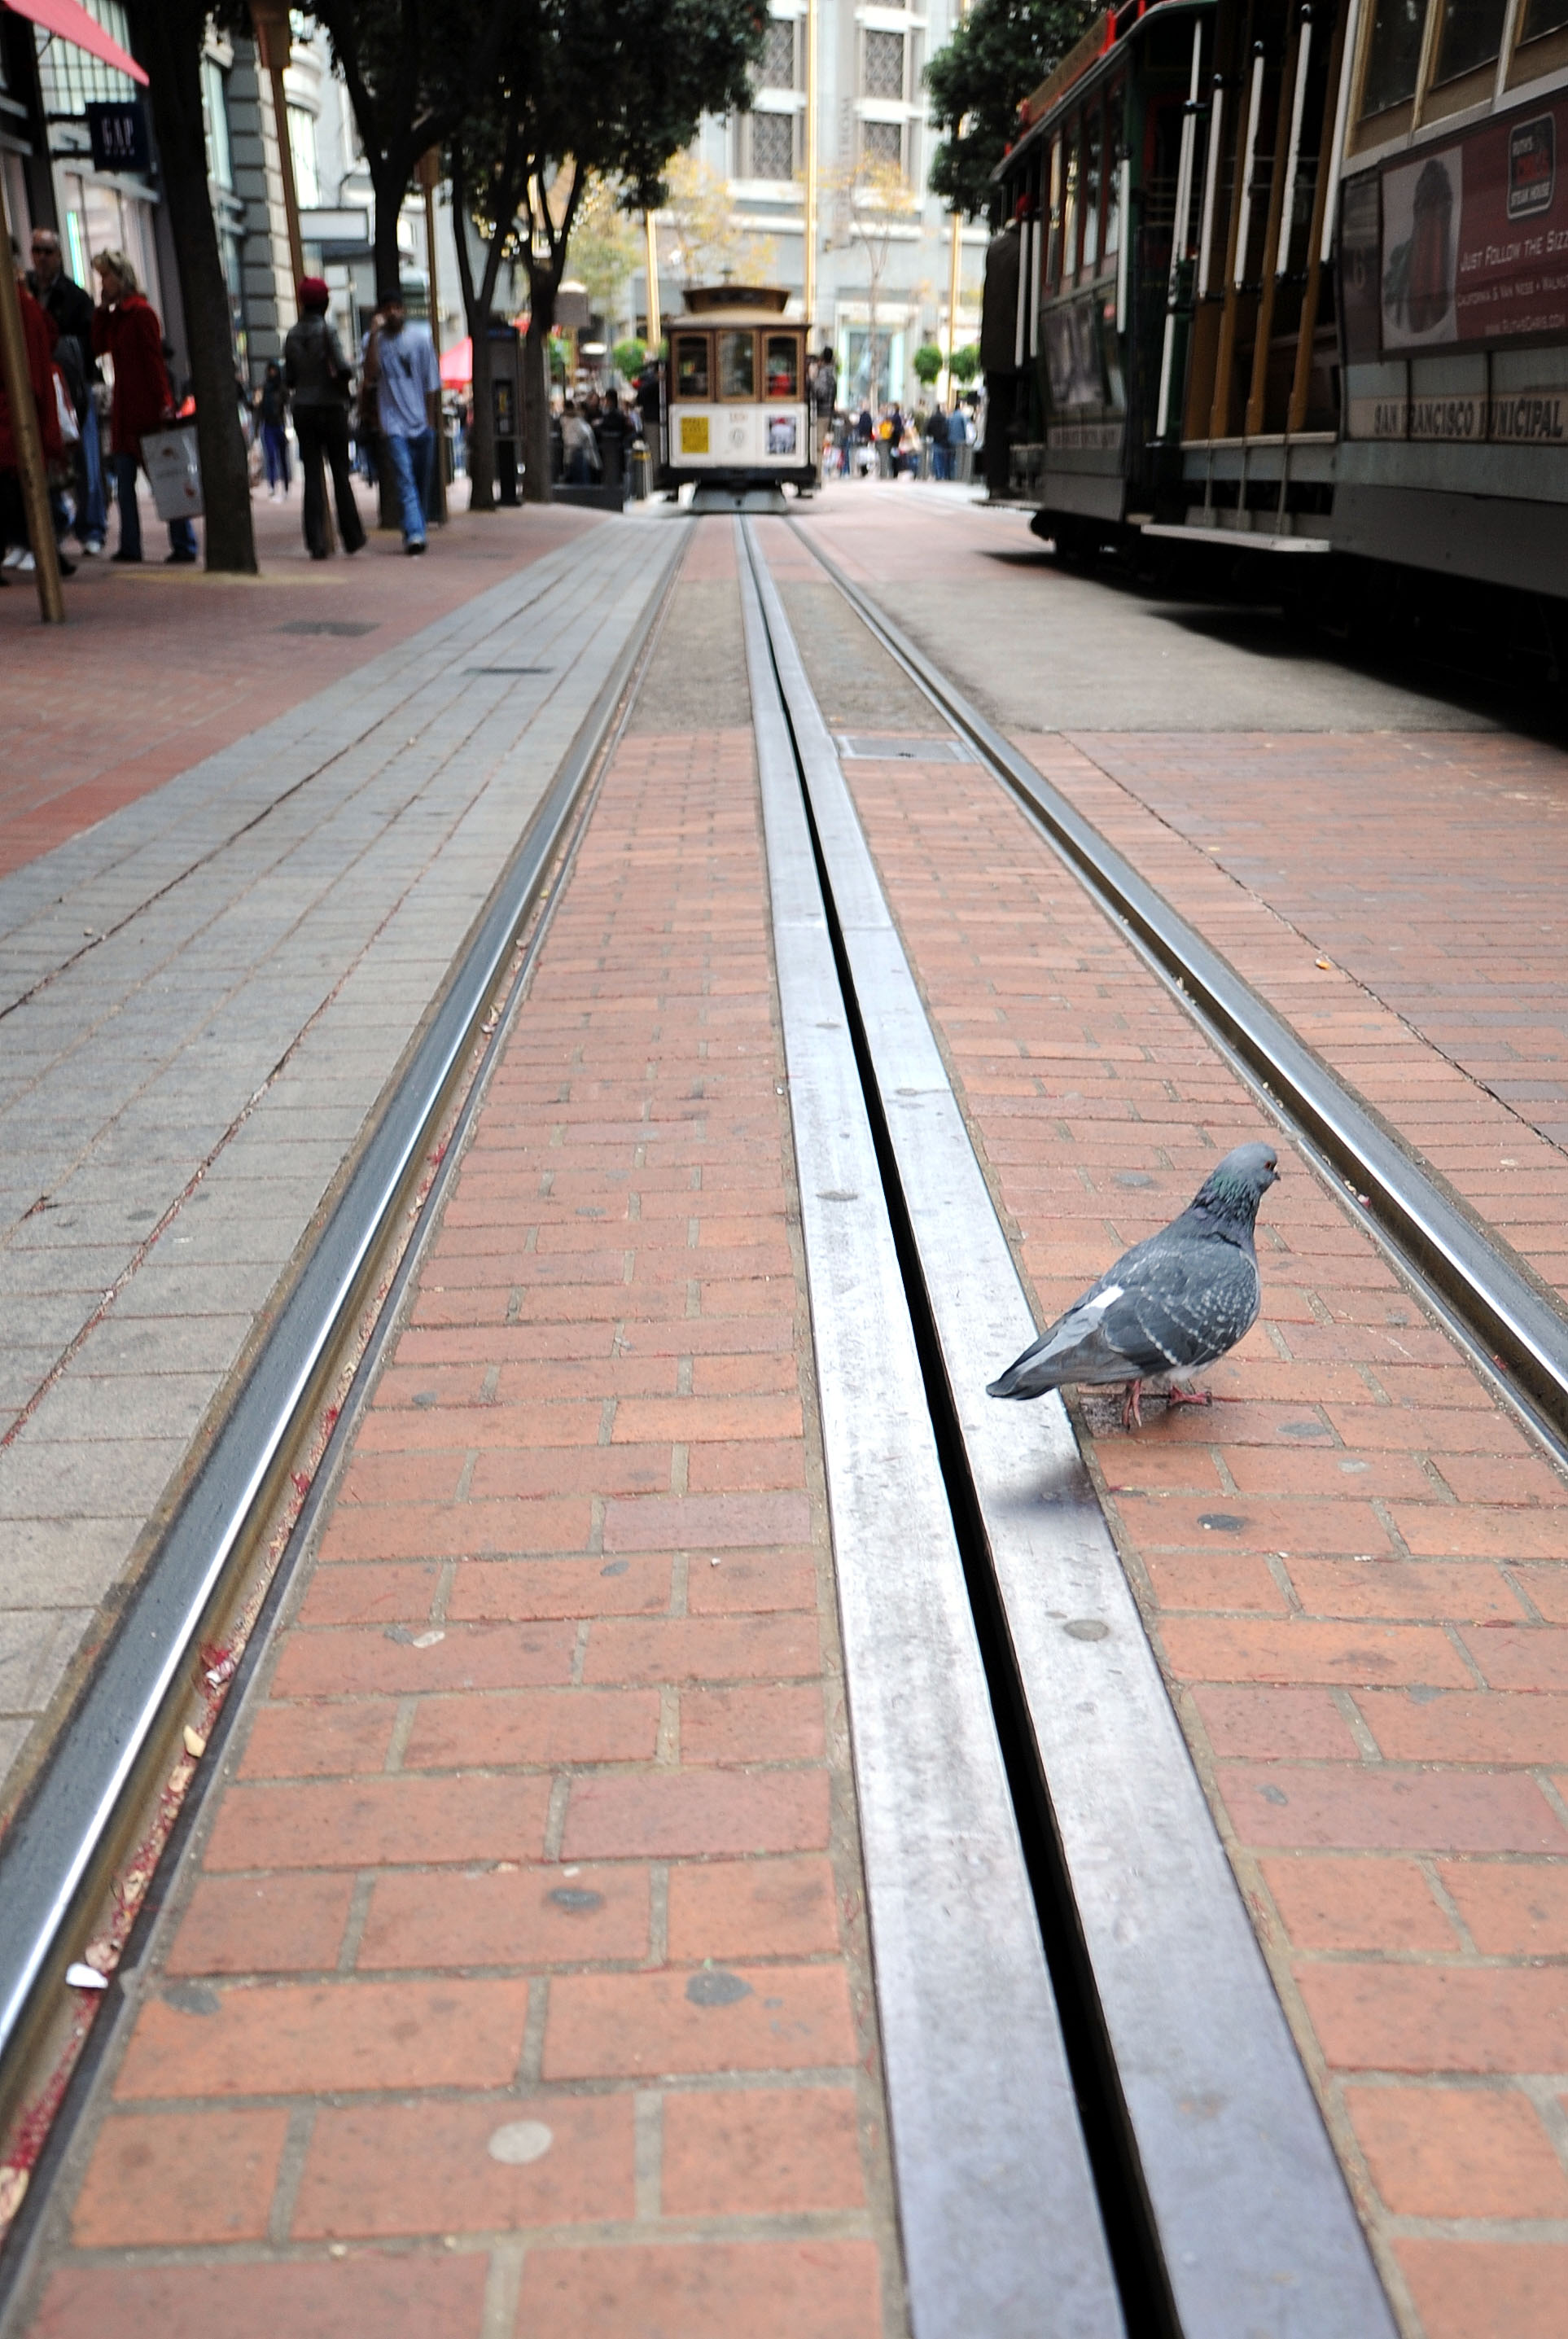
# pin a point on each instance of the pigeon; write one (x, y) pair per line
(1169, 1306)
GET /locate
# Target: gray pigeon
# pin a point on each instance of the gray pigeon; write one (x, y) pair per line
(1169, 1306)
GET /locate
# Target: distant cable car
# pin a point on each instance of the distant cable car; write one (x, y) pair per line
(737, 411)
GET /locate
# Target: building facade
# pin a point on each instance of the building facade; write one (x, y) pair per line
(871, 131)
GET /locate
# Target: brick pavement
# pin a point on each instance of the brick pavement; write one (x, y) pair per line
(1352, 1570)
(1313, 824)
(523, 1984)
(158, 668)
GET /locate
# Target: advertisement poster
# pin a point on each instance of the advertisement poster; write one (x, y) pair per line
(1475, 237)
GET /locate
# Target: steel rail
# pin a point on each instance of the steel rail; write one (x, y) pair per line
(1485, 1293)
(997, 2201)
(1236, 2216)
(51, 1854)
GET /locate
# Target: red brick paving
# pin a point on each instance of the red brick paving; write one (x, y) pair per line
(548, 1818)
(1349, 1569)
(157, 667)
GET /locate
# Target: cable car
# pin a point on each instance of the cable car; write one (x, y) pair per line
(738, 423)
(1293, 282)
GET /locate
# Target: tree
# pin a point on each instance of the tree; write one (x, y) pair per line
(413, 72)
(166, 37)
(966, 363)
(489, 172)
(610, 89)
(1001, 50)
(928, 363)
(872, 198)
(709, 239)
(607, 249)
(629, 357)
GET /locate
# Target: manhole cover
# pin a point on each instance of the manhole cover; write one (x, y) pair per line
(345, 628)
(895, 748)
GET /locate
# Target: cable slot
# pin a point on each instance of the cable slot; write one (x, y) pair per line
(1132, 2236)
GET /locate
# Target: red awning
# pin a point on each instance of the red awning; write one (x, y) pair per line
(71, 21)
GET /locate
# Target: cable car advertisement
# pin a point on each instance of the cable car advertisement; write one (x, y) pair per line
(1475, 237)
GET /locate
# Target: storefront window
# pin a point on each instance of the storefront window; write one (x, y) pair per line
(215, 121)
(691, 365)
(1394, 54)
(737, 365)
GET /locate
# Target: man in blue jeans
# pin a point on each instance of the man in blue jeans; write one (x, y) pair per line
(408, 395)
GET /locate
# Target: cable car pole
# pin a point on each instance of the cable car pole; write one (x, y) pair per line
(24, 434)
(656, 322)
(810, 166)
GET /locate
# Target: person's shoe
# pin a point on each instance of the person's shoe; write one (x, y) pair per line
(95, 548)
(320, 556)
(67, 567)
(14, 556)
(23, 565)
(124, 555)
(415, 543)
(179, 559)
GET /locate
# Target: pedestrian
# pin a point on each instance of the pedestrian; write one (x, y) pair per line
(125, 328)
(579, 448)
(272, 414)
(936, 439)
(70, 309)
(865, 440)
(408, 395)
(319, 378)
(16, 547)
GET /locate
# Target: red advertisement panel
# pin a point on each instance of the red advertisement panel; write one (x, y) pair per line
(1475, 235)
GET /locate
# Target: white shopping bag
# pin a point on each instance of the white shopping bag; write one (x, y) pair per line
(170, 457)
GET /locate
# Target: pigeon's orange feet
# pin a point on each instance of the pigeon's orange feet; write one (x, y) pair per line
(1175, 1396)
(1132, 1406)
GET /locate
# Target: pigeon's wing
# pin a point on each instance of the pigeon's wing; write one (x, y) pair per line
(1171, 1304)
(1184, 1301)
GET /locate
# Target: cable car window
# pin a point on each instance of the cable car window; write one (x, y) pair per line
(737, 365)
(1393, 54)
(1053, 248)
(691, 365)
(1543, 16)
(781, 373)
(1070, 224)
(1469, 35)
(1091, 146)
(1113, 113)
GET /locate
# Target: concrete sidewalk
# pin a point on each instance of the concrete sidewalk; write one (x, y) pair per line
(157, 667)
(202, 997)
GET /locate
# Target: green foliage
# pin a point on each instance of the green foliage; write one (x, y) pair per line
(966, 363)
(1002, 51)
(629, 357)
(560, 358)
(927, 363)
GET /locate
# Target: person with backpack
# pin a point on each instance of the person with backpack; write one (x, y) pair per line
(319, 379)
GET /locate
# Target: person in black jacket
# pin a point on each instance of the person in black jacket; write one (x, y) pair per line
(71, 311)
(319, 379)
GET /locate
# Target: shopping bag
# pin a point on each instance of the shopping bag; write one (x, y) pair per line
(70, 429)
(168, 458)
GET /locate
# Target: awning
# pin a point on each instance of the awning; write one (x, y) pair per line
(71, 21)
(458, 365)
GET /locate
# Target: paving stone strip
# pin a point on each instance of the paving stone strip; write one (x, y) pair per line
(205, 996)
(520, 1981)
(1352, 1569)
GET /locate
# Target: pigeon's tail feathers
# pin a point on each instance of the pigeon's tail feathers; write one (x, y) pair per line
(1059, 1355)
(1030, 1375)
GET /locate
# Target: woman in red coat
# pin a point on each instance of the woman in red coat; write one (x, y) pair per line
(40, 373)
(125, 328)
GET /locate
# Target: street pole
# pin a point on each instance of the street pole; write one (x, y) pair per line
(811, 164)
(655, 323)
(24, 435)
(428, 174)
(270, 19)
